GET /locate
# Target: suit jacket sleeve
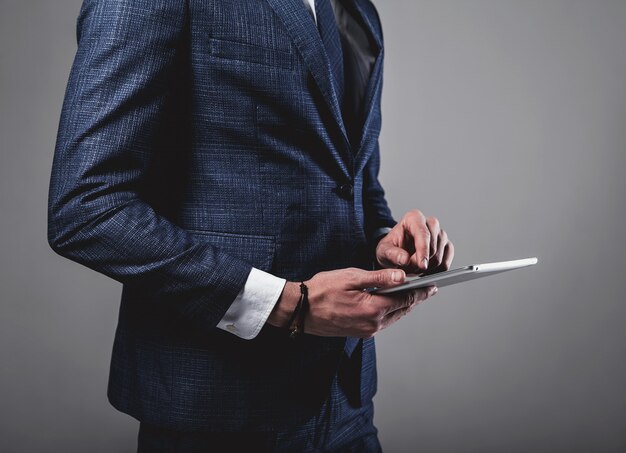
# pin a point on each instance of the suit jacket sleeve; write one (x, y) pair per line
(377, 212)
(118, 86)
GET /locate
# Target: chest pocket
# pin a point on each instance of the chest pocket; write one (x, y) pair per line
(249, 31)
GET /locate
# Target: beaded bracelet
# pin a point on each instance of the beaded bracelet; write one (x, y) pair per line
(296, 322)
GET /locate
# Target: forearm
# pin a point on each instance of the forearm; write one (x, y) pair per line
(286, 304)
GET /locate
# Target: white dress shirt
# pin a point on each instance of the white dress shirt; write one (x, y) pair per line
(311, 6)
(249, 311)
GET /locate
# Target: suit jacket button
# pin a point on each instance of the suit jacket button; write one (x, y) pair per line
(346, 191)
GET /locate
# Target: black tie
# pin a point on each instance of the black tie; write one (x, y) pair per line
(329, 32)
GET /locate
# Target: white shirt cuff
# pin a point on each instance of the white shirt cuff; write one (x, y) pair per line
(252, 306)
(380, 232)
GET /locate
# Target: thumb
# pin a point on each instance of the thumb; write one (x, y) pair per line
(379, 279)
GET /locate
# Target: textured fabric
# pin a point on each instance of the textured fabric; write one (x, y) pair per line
(336, 428)
(252, 306)
(197, 140)
(250, 310)
(327, 24)
(359, 56)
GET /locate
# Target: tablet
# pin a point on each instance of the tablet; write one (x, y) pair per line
(453, 276)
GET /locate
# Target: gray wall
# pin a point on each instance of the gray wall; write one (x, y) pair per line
(507, 120)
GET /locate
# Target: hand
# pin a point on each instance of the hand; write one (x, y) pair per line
(338, 306)
(416, 244)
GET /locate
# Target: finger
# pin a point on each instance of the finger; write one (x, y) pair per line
(391, 303)
(420, 233)
(395, 315)
(435, 233)
(391, 255)
(443, 242)
(383, 278)
(446, 260)
(448, 256)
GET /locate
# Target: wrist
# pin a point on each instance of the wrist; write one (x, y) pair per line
(286, 304)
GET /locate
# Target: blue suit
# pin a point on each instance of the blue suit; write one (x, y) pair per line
(200, 138)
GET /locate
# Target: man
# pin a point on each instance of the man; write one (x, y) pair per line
(219, 158)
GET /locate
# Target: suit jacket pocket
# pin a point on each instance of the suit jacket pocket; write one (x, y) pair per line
(258, 250)
(239, 51)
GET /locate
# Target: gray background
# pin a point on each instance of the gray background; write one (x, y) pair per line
(507, 120)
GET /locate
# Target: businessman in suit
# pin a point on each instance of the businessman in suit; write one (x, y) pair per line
(215, 157)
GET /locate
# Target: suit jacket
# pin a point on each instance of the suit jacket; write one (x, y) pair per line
(199, 138)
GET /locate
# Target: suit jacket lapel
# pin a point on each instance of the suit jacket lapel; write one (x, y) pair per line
(373, 87)
(301, 27)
